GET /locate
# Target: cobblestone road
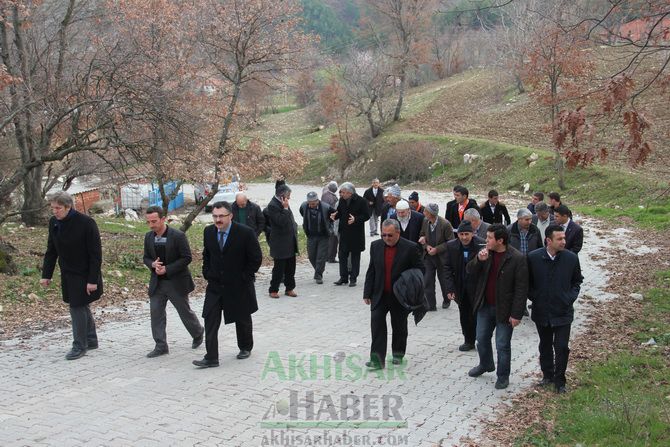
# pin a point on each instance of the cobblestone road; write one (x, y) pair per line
(115, 396)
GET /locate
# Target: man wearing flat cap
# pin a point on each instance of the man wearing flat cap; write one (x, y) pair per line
(352, 213)
(436, 231)
(318, 228)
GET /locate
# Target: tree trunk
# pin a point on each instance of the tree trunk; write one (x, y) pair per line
(6, 262)
(401, 96)
(560, 169)
(33, 211)
(519, 84)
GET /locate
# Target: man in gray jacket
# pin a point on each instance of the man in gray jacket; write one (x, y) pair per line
(318, 228)
(435, 232)
(167, 255)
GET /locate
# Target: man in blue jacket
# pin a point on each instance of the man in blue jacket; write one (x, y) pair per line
(555, 278)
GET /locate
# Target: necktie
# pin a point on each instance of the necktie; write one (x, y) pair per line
(221, 240)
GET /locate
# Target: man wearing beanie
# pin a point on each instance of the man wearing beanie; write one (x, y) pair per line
(410, 221)
(459, 283)
(435, 232)
(392, 199)
(318, 228)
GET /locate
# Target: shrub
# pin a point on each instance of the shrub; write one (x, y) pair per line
(407, 161)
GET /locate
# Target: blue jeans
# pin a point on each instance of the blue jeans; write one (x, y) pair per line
(486, 323)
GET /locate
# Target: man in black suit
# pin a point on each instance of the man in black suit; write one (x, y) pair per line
(574, 234)
(389, 257)
(375, 198)
(457, 207)
(167, 255)
(352, 212)
(74, 241)
(230, 260)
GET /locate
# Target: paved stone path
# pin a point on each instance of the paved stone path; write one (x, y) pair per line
(115, 396)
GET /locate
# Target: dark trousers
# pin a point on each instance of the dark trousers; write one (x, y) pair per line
(486, 323)
(347, 274)
(158, 302)
(554, 351)
(243, 329)
(333, 242)
(83, 328)
(434, 267)
(317, 251)
(468, 319)
(388, 303)
(283, 270)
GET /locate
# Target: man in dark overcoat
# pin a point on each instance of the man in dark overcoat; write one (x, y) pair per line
(74, 241)
(375, 198)
(230, 260)
(352, 213)
(282, 237)
(167, 255)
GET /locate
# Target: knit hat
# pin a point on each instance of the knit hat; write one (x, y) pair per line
(312, 197)
(433, 209)
(465, 227)
(394, 190)
(414, 196)
(402, 205)
(332, 186)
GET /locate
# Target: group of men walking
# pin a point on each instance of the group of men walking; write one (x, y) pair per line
(485, 263)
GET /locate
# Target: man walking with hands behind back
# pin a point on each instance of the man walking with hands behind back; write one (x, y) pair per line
(167, 255)
(230, 260)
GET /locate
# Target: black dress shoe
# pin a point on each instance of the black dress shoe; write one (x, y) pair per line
(479, 370)
(157, 353)
(546, 381)
(75, 354)
(561, 389)
(92, 345)
(243, 354)
(502, 383)
(340, 282)
(446, 304)
(352, 284)
(466, 347)
(397, 360)
(374, 366)
(205, 363)
(197, 341)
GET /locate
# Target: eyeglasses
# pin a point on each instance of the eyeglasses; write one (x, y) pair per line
(219, 216)
(388, 234)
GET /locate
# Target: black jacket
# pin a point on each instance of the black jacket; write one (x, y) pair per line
(499, 215)
(281, 230)
(459, 282)
(255, 218)
(534, 237)
(327, 223)
(178, 257)
(231, 272)
(407, 257)
(75, 243)
(553, 286)
(352, 236)
(511, 284)
(413, 230)
(377, 201)
(452, 212)
(574, 237)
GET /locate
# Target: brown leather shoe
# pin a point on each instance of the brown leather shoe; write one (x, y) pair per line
(291, 293)
(274, 294)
